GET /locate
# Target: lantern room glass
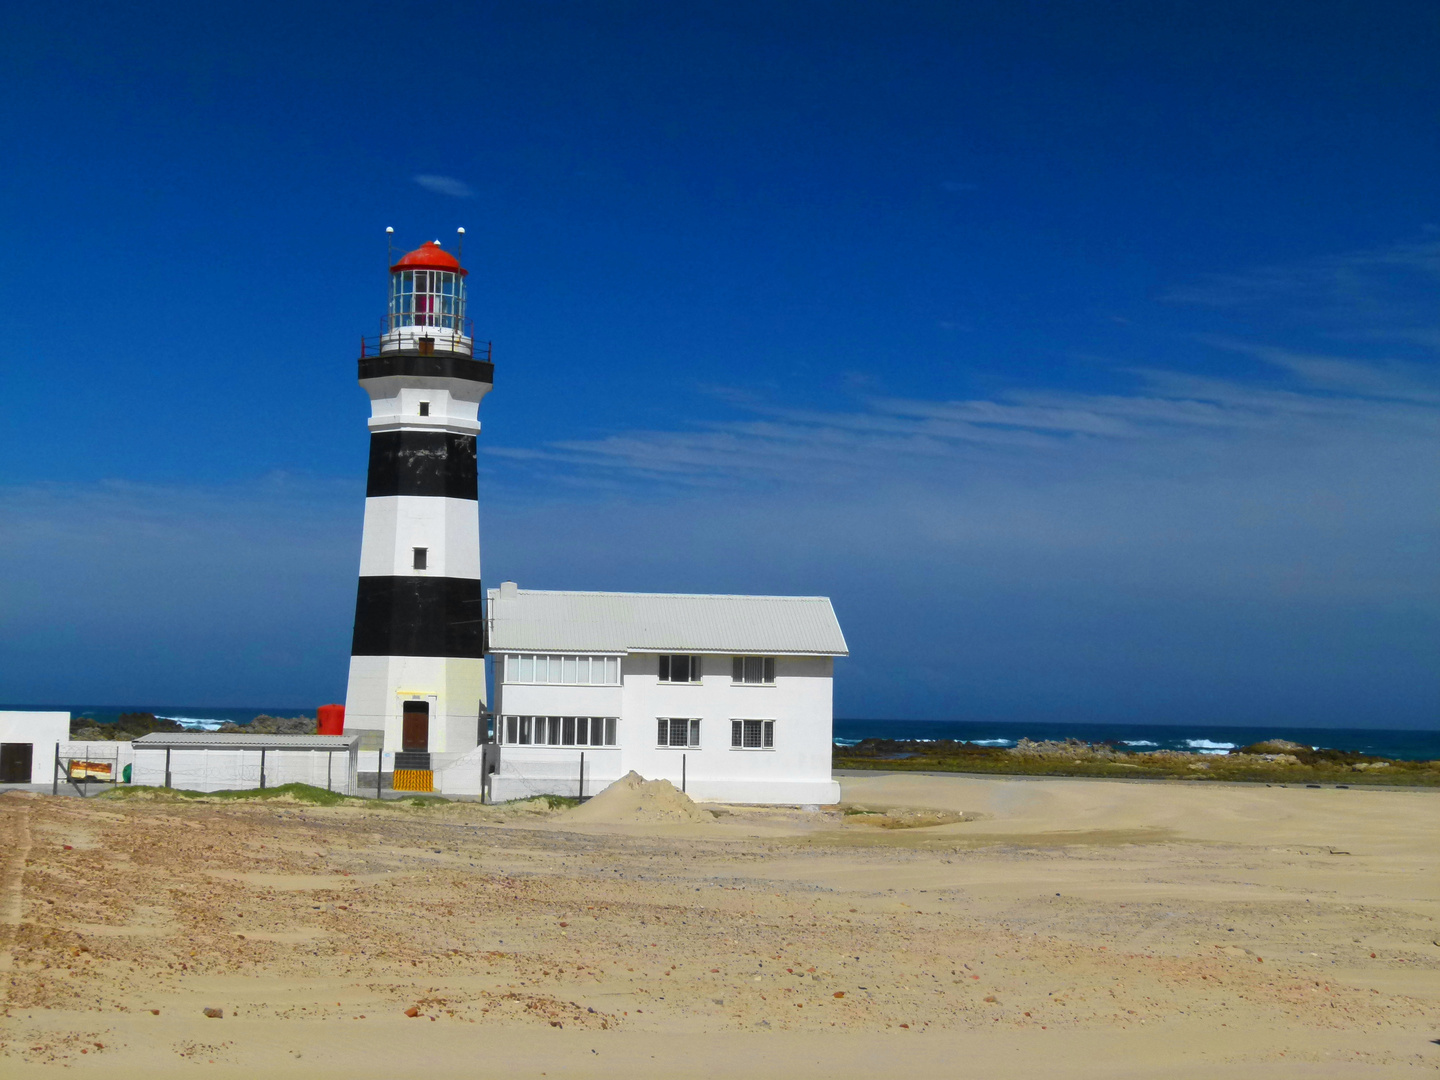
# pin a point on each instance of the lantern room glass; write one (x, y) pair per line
(427, 298)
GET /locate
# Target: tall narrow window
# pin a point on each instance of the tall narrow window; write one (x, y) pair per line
(675, 731)
(756, 670)
(680, 669)
(422, 557)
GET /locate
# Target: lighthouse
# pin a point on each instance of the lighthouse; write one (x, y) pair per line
(417, 659)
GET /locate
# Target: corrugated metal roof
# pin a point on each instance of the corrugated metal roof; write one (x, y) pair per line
(214, 740)
(533, 620)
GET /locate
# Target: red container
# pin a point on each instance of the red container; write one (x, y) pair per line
(332, 720)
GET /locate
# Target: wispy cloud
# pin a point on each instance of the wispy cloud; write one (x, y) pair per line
(1381, 293)
(445, 185)
(1170, 415)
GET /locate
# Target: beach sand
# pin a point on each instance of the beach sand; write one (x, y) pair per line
(1046, 927)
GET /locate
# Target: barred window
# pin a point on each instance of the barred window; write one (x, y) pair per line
(557, 730)
(752, 734)
(677, 731)
(684, 669)
(759, 670)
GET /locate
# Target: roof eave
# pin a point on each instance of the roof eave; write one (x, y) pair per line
(643, 650)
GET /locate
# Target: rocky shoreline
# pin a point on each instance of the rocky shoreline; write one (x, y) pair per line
(1271, 761)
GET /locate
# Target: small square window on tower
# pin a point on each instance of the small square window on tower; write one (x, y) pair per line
(424, 408)
(422, 557)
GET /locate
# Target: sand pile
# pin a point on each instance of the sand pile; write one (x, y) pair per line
(633, 799)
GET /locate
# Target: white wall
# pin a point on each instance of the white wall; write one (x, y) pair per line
(524, 699)
(238, 770)
(554, 770)
(800, 702)
(43, 731)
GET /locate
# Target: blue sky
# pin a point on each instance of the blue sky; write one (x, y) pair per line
(1086, 355)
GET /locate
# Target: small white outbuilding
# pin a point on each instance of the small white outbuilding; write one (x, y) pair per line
(27, 745)
(729, 697)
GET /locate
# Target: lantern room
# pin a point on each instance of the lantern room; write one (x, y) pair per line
(427, 303)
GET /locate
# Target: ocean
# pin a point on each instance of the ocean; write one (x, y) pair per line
(1201, 738)
(191, 717)
(1195, 738)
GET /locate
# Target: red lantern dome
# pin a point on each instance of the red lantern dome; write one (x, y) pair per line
(430, 256)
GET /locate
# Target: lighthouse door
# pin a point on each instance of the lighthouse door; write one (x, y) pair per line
(415, 727)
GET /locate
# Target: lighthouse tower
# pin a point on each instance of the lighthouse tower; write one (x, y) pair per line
(417, 668)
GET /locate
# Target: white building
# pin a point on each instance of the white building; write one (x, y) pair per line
(729, 696)
(28, 742)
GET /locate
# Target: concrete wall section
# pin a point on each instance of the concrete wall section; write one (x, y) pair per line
(239, 770)
(524, 699)
(43, 731)
(526, 771)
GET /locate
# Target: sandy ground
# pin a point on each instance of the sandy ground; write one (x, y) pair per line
(1066, 928)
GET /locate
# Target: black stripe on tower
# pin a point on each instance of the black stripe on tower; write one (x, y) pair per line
(438, 365)
(422, 463)
(419, 616)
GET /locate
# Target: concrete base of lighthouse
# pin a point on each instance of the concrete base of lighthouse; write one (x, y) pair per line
(379, 686)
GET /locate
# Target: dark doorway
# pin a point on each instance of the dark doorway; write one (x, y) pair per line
(15, 759)
(415, 732)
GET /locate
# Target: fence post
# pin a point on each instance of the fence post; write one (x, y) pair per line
(379, 764)
(582, 774)
(167, 766)
(54, 773)
(329, 767)
(262, 768)
(682, 772)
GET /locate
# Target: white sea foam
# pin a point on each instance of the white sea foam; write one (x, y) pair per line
(992, 742)
(1206, 745)
(1140, 742)
(193, 723)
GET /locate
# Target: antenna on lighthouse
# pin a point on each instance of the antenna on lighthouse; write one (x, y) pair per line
(389, 246)
(460, 244)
